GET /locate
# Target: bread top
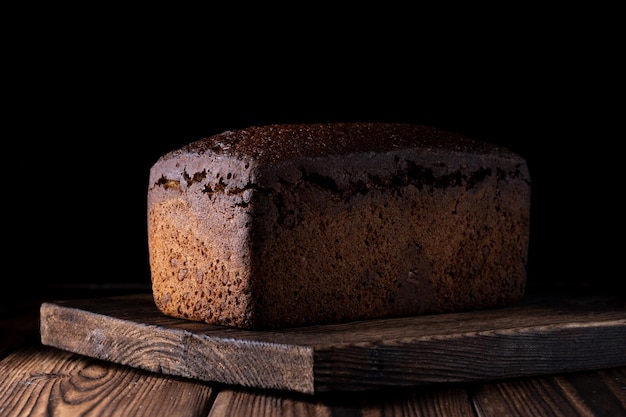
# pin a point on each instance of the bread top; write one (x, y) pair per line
(276, 142)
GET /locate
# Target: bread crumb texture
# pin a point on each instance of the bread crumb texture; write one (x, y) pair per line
(289, 225)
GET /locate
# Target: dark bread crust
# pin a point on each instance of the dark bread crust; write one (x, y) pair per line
(286, 225)
(273, 143)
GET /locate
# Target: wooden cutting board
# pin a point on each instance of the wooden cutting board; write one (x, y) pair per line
(539, 336)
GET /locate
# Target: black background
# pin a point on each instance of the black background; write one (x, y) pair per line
(91, 104)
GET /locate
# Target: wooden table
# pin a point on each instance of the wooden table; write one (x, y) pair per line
(37, 379)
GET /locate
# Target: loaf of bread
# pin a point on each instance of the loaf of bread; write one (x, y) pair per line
(298, 224)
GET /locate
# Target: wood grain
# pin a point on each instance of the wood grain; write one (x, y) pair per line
(575, 394)
(48, 381)
(536, 338)
(451, 402)
(41, 381)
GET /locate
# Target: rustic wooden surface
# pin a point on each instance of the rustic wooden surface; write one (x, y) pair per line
(536, 338)
(39, 380)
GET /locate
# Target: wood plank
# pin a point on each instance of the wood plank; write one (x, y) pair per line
(539, 337)
(586, 393)
(241, 403)
(539, 396)
(47, 381)
(600, 393)
(616, 382)
(442, 401)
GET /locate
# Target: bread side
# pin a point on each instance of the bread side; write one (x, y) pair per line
(287, 225)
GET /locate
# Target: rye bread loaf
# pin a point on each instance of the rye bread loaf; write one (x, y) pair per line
(298, 224)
